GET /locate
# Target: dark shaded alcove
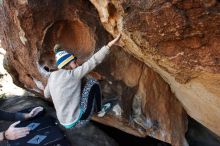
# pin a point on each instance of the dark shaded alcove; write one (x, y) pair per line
(75, 36)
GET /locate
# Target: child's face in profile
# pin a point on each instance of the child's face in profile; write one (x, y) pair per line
(73, 64)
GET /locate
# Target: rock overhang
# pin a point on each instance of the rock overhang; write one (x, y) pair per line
(165, 48)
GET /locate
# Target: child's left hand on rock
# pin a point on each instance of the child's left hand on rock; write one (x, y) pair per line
(114, 41)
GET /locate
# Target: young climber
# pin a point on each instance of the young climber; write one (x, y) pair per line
(73, 106)
(13, 133)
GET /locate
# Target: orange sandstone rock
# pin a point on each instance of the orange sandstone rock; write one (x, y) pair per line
(167, 61)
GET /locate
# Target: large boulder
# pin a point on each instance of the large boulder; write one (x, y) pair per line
(180, 41)
(167, 59)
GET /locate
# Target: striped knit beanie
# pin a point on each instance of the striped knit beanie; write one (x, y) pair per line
(62, 57)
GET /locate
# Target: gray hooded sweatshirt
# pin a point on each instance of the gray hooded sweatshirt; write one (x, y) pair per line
(64, 86)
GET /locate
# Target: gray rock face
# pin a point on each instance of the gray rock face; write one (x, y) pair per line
(198, 135)
(89, 136)
(86, 136)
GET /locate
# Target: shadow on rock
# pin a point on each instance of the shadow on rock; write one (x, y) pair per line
(89, 135)
(198, 135)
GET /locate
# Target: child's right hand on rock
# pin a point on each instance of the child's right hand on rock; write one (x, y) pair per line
(114, 41)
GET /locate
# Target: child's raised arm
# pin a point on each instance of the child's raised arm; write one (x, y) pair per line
(96, 59)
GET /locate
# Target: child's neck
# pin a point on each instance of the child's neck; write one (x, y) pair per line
(68, 68)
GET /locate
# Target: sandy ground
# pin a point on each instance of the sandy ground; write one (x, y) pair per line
(7, 88)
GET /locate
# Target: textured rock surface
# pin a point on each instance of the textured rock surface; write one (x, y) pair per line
(180, 41)
(177, 39)
(87, 136)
